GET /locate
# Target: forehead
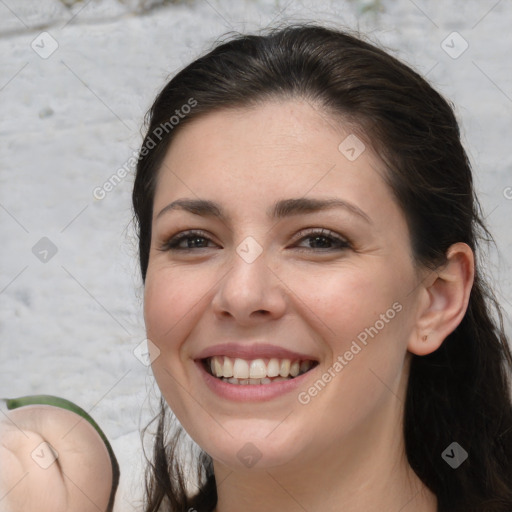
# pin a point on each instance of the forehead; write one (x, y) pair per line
(263, 153)
(284, 128)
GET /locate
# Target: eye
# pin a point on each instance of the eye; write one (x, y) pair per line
(325, 238)
(196, 238)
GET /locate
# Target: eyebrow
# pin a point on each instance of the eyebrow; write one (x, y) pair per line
(280, 209)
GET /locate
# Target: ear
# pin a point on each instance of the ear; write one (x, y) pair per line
(444, 298)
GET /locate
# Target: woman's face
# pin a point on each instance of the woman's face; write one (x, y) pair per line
(267, 291)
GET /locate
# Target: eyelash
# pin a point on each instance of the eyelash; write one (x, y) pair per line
(341, 243)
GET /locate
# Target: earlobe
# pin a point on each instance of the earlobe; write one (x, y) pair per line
(445, 300)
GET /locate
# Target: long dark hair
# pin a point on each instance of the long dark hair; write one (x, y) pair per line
(460, 392)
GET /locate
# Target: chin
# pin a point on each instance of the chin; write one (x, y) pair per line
(254, 446)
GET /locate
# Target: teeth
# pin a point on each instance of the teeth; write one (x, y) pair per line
(304, 366)
(217, 367)
(284, 370)
(227, 369)
(244, 382)
(273, 368)
(240, 369)
(256, 371)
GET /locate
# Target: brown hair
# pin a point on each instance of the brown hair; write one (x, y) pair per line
(460, 392)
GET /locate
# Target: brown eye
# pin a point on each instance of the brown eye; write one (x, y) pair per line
(325, 240)
(193, 240)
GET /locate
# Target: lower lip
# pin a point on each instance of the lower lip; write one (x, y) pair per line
(251, 392)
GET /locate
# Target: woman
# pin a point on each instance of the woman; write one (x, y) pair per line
(402, 399)
(317, 317)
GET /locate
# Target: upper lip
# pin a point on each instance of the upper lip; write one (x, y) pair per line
(255, 351)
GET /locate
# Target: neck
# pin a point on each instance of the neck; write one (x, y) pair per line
(370, 485)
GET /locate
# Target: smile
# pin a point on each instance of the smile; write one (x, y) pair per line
(240, 371)
(254, 372)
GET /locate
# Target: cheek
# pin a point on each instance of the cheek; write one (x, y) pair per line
(360, 316)
(169, 296)
(169, 301)
(345, 301)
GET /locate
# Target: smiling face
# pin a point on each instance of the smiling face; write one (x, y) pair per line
(332, 288)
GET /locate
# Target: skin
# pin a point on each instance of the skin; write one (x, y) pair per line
(79, 480)
(343, 449)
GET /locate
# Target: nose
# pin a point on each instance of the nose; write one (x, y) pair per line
(250, 292)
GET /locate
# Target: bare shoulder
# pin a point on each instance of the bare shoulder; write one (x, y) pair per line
(52, 459)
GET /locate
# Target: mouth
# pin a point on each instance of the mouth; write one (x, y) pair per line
(259, 371)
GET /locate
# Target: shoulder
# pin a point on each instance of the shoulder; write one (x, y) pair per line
(45, 447)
